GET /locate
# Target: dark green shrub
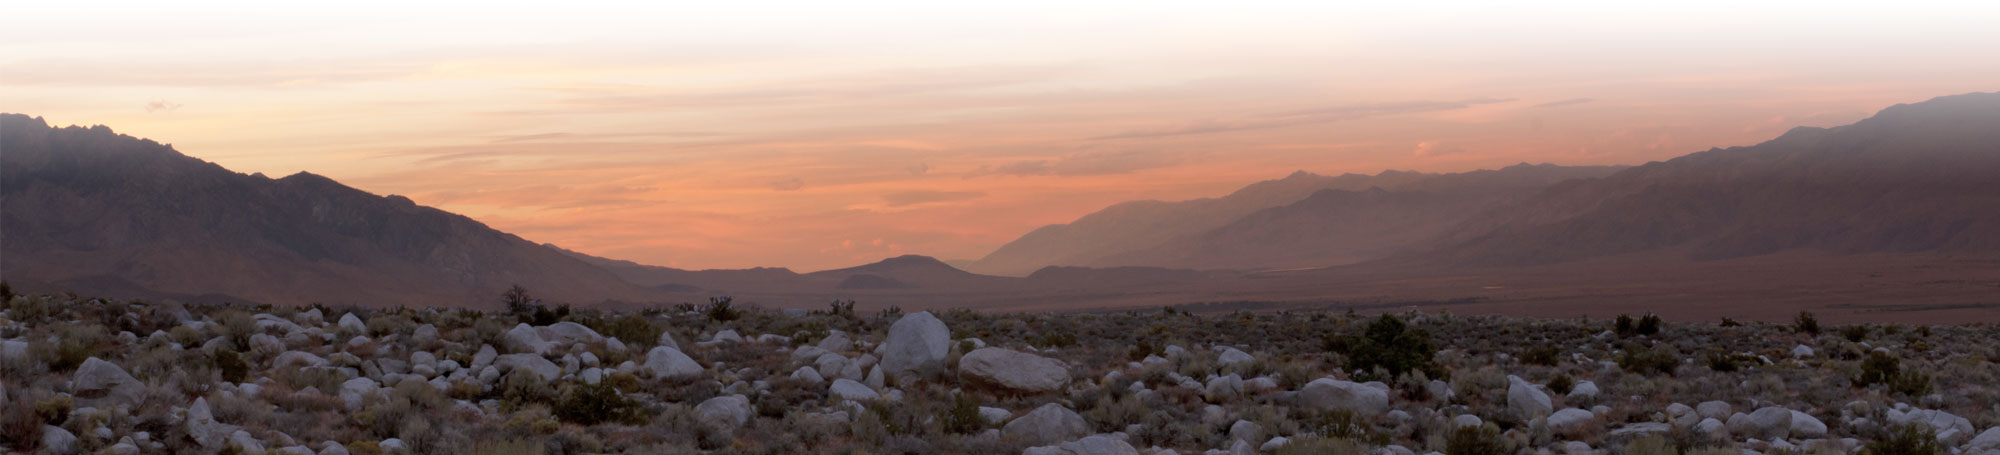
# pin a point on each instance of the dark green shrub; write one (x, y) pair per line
(1727, 322)
(963, 416)
(1877, 369)
(1624, 327)
(1912, 439)
(1639, 360)
(1542, 355)
(1648, 325)
(722, 309)
(590, 404)
(1854, 333)
(1806, 323)
(1343, 424)
(1390, 345)
(231, 365)
(631, 329)
(1476, 440)
(1721, 361)
(1561, 384)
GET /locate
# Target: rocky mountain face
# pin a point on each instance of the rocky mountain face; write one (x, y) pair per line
(93, 211)
(1302, 220)
(1921, 177)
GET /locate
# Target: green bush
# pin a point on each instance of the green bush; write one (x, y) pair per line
(1649, 324)
(1561, 384)
(1623, 326)
(1806, 323)
(722, 309)
(1854, 333)
(591, 404)
(1388, 344)
(231, 365)
(1638, 360)
(963, 416)
(1542, 355)
(633, 329)
(1476, 440)
(1912, 439)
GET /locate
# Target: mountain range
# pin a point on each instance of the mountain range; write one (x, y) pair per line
(1894, 195)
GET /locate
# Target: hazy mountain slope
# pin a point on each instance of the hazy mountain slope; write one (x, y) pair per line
(1131, 226)
(93, 211)
(1921, 177)
(1333, 227)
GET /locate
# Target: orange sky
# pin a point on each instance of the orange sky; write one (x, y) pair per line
(809, 137)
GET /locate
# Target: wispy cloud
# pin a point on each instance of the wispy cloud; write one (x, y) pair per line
(1084, 163)
(1304, 117)
(908, 198)
(1567, 102)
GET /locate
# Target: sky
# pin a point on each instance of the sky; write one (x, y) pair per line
(817, 135)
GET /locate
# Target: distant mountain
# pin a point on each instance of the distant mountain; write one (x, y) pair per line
(1301, 220)
(1921, 177)
(96, 212)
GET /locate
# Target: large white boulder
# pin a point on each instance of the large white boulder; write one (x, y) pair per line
(529, 363)
(1232, 356)
(1571, 421)
(1939, 421)
(1806, 426)
(1327, 394)
(1090, 445)
(917, 343)
(567, 333)
(1048, 424)
(1583, 391)
(1527, 401)
(1989, 440)
(851, 390)
(724, 413)
(1718, 410)
(98, 378)
(667, 362)
(57, 440)
(351, 323)
(524, 338)
(1767, 423)
(1013, 370)
(202, 427)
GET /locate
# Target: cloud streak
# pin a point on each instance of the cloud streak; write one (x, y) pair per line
(1303, 117)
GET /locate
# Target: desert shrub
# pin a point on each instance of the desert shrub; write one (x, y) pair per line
(1649, 324)
(524, 389)
(1344, 424)
(722, 309)
(508, 447)
(1476, 440)
(1912, 439)
(1623, 326)
(73, 344)
(1651, 445)
(1727, 322)
(21, 427)
(591, 404)
(1882, 368)
(54, 410)
(1806, 323)
(1315, 445)
(1542, 355)
(1388, 344)
(963, 416)
(1660, 359)
(231, 365)
(633, 329)
(1854, 333)
(1561, 384)
(1053, 339)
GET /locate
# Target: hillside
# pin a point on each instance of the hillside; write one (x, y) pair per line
(1921, 177)
(95, 212)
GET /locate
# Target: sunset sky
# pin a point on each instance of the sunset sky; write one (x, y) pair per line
(816, 135)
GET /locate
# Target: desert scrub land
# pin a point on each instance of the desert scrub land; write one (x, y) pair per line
(98, 376)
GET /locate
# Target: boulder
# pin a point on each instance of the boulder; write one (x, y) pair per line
(1331, 394)
(808, 375)
(1013, 370)
(530, 363)
(836, 341)
(849, 389)
(567, 333)
(667, 362)
(1988, 440)
(202, 427)
(1328, 394)
(1802, 351)
(917, 343)
(1244, 430)
(1526, 400)
(524, 338)
(667, 339)
(97, 378)
(297, 359)
(1090, 445)
(724, 413)
(1583, 391)
(352, 324)
(1048, 424)
(1767, 423)
(1714, 409)
(994, 416)
(1939, 421)
(1223, 388)
(355, 392)
(1571, 421)
(1806, 426)
(57, 440)
(1232, 356)
(1466, 420)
